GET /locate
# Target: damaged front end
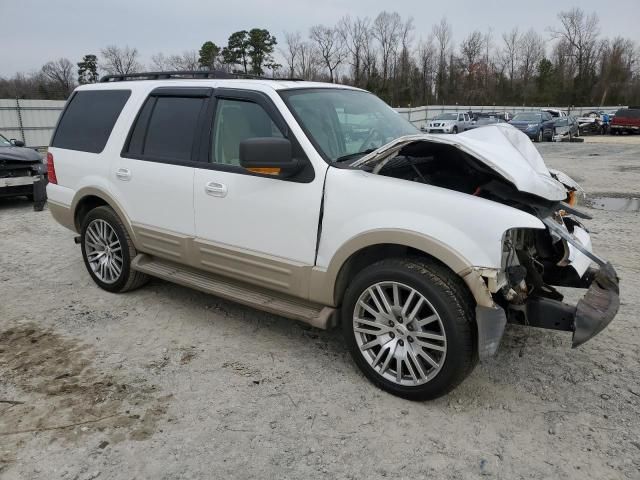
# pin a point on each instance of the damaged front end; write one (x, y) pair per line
(499, 164)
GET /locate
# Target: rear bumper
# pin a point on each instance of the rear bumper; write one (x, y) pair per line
(589, 317)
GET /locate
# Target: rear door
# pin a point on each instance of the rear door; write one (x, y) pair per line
(153, 177)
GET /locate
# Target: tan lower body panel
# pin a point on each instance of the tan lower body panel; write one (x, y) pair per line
(314, 314)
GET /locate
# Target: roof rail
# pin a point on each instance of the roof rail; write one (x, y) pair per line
(196, 74)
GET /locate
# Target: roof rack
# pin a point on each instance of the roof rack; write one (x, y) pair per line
(195, 74)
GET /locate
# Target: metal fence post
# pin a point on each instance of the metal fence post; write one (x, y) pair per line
(20, 125)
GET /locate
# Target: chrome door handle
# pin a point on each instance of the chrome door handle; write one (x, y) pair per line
(123, 174)
(215, 189)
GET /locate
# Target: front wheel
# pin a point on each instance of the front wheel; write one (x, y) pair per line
(409, 325)
(455, 130)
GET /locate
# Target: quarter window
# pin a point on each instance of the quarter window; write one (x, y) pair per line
(238, 120)
(88, 119)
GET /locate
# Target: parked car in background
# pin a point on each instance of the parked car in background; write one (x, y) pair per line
(626, 120)
(591, 122)
(448, 123)
(565, 128)
(538, 126)
(22, 172)
(554, 112)
(484, 121)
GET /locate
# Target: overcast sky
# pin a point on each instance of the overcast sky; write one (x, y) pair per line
(35, 31)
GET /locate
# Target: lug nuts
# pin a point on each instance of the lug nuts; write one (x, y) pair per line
(391, 323)
(401, 343)
(410, 339)
(400, 320)
(392, 335)
(409, 327)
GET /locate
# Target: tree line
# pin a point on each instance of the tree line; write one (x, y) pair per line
(571, 63)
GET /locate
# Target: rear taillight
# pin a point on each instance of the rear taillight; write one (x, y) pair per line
(51, 169)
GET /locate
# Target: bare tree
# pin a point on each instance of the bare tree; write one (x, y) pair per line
(187, 60)
(579, 32)
(510, 54)
(120, 61)
(61, 73)
(442, 34)
(308, 61)
(330, 46)
(292, 51)
(427, 62)
(471, 49)
(159, 62)
(386, 30)
(531, 52)
(356, 35)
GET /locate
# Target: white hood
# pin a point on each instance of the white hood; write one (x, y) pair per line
(501, 147)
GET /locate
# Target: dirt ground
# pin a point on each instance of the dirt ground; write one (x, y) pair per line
(168, 383)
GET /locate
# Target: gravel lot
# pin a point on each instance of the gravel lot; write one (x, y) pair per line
(168, 383)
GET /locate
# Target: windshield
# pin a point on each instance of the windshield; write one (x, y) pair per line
(446, 116)
(4, 142)
(527, 117)
(345, 123)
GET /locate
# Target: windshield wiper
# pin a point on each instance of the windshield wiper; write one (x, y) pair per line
(353, 155)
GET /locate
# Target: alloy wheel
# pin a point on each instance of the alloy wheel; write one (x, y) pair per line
(103, 251)
(399, 333)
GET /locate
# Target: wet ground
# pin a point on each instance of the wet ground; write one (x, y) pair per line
(169, 383)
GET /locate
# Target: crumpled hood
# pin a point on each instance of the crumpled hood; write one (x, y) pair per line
(502, 147)
(19, 154)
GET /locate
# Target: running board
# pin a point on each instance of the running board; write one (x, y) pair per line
(318, 316)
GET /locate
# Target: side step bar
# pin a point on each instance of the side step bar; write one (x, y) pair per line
(318, 316)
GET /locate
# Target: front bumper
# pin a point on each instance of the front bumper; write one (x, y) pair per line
(589, 317)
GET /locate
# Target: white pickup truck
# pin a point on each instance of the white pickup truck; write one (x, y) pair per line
(319, 203)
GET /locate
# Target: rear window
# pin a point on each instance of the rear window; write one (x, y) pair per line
(628, 113)
(88, 119)
(166, 128)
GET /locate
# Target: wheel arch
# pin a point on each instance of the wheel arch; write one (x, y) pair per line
(328, 286)
(88, 198)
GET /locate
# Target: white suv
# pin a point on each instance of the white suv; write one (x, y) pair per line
(319, 203)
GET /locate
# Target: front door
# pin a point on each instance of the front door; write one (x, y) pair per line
(256, 228)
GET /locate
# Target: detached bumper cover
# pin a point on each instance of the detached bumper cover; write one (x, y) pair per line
(598, 307)
(589, 317)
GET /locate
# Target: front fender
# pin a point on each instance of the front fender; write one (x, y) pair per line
(461, 230)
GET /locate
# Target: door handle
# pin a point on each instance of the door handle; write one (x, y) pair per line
(215, 189)
(123, 174)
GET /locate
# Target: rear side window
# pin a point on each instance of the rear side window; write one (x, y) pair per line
(88, 120)
(166, 128)
(628, 113)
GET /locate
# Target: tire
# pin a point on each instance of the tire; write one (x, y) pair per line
(102, 226)
(455, 130)
(539, 137)
(444, 296)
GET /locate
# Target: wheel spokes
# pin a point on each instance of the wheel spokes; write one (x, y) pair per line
(399, 333)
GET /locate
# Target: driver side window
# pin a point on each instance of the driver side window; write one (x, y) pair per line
(235, 121)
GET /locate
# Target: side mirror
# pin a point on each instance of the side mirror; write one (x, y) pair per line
(268, 155)
(16, 143)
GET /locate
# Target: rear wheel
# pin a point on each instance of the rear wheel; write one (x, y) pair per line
(107, 251)
(409, 325)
